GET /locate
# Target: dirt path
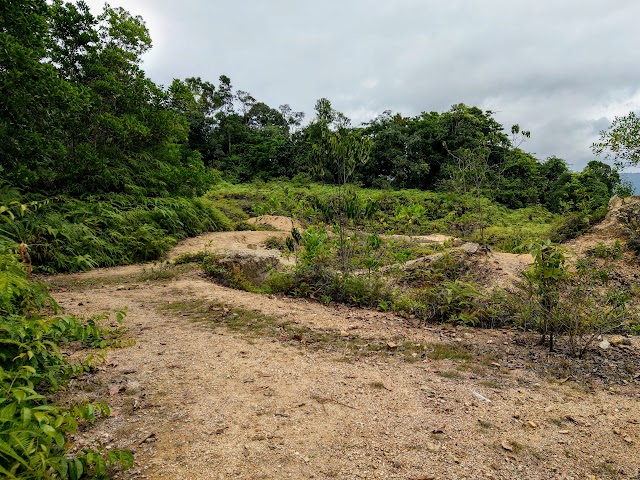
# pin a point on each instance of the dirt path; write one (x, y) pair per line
(195, 399)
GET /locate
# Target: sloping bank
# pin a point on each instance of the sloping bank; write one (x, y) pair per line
(69, 234)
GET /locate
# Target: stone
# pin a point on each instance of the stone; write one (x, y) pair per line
(470, 247)
(432, 447)
(615, 203)
(616, 340)
(604, 345)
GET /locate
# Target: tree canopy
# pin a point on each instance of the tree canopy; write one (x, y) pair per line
(79, 116)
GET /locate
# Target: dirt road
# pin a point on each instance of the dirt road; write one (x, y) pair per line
(207, 393)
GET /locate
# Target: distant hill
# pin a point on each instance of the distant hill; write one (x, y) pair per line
(634, 179)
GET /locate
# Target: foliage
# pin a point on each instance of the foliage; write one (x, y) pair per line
(591, 306)
(614, 252)
(443, 212)
(450, 301)
(80, 115)
(229, 274)
(445, 267)
(275, 243)
(621, 141)
(34, 433)
(70, 234)
(569, 226)
(81, 118)
(578, 301)
(548, 270)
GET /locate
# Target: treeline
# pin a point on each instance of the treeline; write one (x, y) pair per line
(246, 139)
(79, 116)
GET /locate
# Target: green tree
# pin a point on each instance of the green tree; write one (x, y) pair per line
(606, 174)
(402, 153)
(621, 141)
(79, 114)
(519, 181)
(31, 124)
(544, 276)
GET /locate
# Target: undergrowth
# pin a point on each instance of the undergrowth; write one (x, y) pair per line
(411, 212)
(34, 434)
(67, 234)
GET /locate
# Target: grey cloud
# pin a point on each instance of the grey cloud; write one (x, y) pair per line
(556, 67)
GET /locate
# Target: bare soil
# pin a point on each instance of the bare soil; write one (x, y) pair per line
(329, 392)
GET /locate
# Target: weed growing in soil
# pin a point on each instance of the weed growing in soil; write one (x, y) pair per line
(448, 351)
(257, 324)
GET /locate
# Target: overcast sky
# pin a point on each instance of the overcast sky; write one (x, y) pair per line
(562, 69)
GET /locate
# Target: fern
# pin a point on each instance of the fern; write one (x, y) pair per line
(74, 235)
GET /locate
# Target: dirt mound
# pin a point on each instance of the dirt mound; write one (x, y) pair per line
(276, 221)
(247, 243)
(489, 269)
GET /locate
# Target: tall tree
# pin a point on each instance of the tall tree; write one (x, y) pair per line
(78, 113)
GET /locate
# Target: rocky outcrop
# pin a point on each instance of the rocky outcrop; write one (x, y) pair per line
(623, 216)
(249, 267)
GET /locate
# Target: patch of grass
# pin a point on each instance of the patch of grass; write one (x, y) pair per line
(491, 383)
(485, 425)
(253, 323)
(562, 368)
(601, 250)
(275, 243)
(231, 210)
(159, 272)
(607, 469)
(443, 211)
(477, 368)
(557, 421)
(195, 257)
(448, 351)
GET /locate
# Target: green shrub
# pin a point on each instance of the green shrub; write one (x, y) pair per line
(275, 243)
(579, 303)
(281, 282)
(451, 301)
(601, 250)
(442, 212)
(361, 291)
(34, 441)
(447, 267)
(568, 227)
